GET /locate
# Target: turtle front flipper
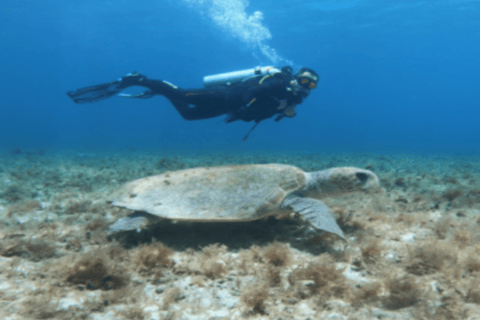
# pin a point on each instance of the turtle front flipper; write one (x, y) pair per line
(135, 221)
(316, 212)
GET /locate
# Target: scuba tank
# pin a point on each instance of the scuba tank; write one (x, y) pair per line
(238, 76)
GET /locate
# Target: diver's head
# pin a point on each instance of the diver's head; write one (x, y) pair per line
(307, 78)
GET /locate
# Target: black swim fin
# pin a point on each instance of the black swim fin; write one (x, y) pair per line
(144, 95)
(95, 93)
(106, 90)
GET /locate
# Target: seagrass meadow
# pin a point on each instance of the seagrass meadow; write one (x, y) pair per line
(413, 249)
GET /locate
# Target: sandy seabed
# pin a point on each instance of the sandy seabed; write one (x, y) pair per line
(413, 249)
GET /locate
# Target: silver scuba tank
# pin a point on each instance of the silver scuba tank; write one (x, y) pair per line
(230, 78)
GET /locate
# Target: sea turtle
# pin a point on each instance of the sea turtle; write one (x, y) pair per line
(239, 193)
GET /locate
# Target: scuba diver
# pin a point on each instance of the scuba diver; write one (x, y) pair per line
(248, 95)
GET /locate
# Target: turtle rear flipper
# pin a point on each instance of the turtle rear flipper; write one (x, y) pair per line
(316, 212)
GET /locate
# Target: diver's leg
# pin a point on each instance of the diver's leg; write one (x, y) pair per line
(105, 90)
(195, 104)
(192, 104)
(197, 112)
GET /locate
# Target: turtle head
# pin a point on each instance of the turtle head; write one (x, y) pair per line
(339, 181)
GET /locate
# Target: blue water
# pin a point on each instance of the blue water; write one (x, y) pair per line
(395, 75)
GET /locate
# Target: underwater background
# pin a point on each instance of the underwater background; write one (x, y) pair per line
(396, 76)
(399, 96)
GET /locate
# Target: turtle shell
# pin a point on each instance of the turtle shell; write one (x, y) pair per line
(226, 193)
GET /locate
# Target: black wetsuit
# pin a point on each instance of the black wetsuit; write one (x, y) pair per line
(254, 99)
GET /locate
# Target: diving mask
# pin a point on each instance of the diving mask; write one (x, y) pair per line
(307, 80)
